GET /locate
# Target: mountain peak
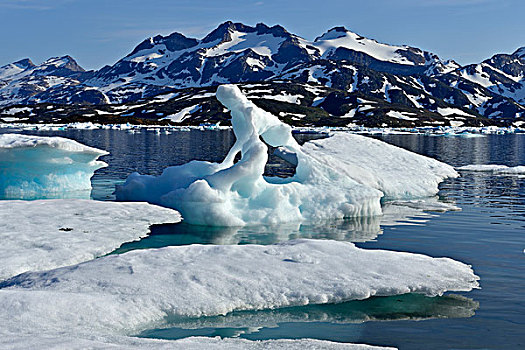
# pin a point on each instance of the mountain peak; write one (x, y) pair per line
(66, 62)
(334, 33)
(520, 52)
(222, 32)
(173, 42)
(24, 63)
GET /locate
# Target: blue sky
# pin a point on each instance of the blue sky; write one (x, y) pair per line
(99, 32)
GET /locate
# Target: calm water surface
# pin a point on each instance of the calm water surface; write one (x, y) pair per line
(488, 233)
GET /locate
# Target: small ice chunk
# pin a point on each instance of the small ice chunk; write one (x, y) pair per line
(45, 234)
(495, 169)
(46, 167)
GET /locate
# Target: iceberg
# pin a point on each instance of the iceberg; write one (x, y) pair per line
(138, 290)
(343, 176)
(46, 234)
(33, 167)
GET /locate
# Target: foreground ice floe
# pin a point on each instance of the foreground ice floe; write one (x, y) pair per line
(125, 294)
(59, 341)
(496, 169)
(342, 176)
(45, 234)
(45, 167)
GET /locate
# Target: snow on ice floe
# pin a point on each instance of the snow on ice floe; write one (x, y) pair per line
(59, 341)
(330, 180)
(396, 172)
(496, 169)
(45, 234)
(126, 294)
(43, 167)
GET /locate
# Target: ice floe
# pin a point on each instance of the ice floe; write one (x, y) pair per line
(396, 172)
(128, 293)
(496, 169)
(340, 177)
(43, 167)
(45, 234)
(60, 341)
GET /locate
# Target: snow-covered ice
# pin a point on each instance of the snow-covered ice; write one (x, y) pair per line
(43, 167)
(496, 169)
(128, 293)
(59, 341)
(45, 234)
(335, 178)
(398, 173)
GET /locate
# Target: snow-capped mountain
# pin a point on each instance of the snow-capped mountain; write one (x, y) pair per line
(26, 83)
(399, 79)
(502, 74)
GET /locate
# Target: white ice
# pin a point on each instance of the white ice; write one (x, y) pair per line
(496, 169)
(59, 341)
(45, 234)
(396, 172)
(343, 176)
(44, 167)
(125, 294)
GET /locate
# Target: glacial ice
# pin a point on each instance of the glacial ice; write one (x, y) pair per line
(128, 293)
(45, 234)
(340, 177)
(46, 167)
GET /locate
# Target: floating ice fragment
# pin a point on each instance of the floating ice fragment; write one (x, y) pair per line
(46, 167)
(495, 169)
(343, 176)
(45, 234)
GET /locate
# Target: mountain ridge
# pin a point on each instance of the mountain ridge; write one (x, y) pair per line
(399, 76)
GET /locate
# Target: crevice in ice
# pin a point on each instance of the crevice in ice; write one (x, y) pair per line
(280, 164)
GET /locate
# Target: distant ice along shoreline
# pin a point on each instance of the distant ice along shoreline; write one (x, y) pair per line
(438, 130)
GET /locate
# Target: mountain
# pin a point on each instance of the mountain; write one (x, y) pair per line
(340, 76)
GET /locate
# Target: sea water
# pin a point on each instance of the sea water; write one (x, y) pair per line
(488, 233)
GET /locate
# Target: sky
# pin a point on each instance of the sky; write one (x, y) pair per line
(100, 32)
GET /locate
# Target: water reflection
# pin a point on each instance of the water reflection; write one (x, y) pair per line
(362, 229)
(393, 308)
